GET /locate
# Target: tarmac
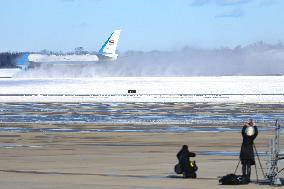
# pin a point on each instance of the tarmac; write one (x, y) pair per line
(116, 160)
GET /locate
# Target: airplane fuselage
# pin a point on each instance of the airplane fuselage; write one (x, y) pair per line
(107, 53)
(62, 58)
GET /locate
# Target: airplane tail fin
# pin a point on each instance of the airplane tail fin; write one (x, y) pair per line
(109, 47)
(23, 61)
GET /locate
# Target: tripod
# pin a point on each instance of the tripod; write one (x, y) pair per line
(256, 153)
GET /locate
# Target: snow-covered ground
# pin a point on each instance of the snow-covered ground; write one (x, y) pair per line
(148, 89)
(9, 72)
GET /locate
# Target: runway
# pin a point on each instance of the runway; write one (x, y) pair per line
(117, 160)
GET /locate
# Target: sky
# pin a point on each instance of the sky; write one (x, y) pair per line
(147, 25)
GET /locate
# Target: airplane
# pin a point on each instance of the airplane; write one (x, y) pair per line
(106, 53)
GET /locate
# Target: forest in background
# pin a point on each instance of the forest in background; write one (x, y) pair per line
(8, 59)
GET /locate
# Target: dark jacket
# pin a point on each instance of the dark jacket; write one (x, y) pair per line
(184, 157)
(247, 154)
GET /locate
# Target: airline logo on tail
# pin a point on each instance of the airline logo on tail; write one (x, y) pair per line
(109, 47)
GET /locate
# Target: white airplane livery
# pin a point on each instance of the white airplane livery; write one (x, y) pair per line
(106, 53)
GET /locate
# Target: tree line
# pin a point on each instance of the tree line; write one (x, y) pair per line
(8, 59)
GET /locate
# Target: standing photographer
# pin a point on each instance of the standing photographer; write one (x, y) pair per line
(249, 133)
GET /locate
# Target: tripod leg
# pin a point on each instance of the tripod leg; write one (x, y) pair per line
(281, 170)
(237, 167)
(258, 160)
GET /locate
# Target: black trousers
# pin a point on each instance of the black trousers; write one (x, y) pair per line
(246, 169)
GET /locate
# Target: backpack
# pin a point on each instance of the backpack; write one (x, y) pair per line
(178, 169)
(232, 179)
